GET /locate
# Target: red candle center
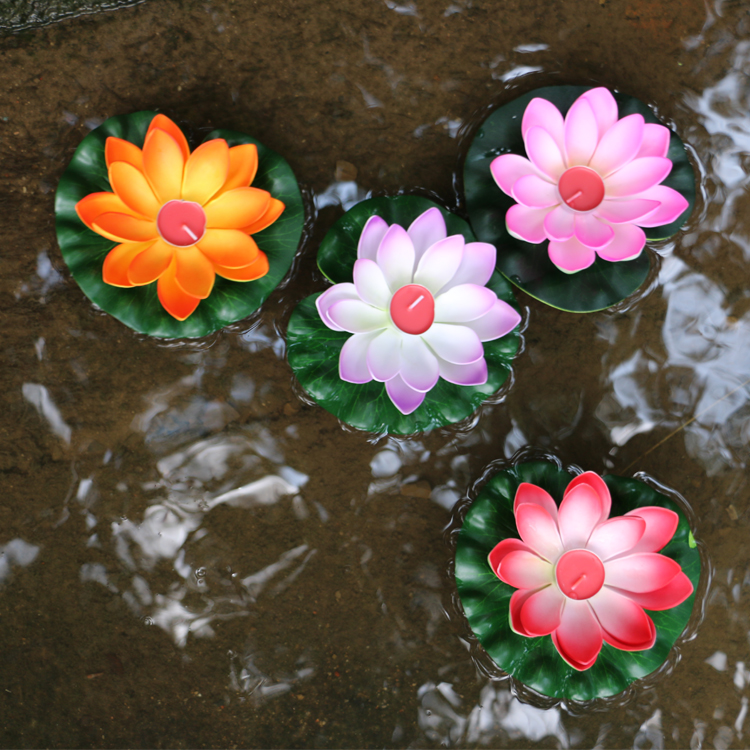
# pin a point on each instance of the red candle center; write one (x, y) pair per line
(581, 188)
(181, 223)
(579, 573)
(413, 309)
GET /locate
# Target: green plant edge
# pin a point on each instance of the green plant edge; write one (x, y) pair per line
(139, 308)
(603, 284)
(486, 599)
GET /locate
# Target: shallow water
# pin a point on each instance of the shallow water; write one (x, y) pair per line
(194, 556)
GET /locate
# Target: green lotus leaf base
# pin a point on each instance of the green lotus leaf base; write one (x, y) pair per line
(486, 599)
(527, 265)
(139, 308)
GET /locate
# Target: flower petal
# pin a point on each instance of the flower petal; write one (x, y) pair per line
(371, 237)
(618, 146)
(252, 271)
(526, 223)
(90, 207)
(517, 600)
(593, 480)
(356, 316)
(637, 176)
(616, 536)
(530, 494)
(571, 256)
(117, 149)
(524, 569)
(581, 133)
(419, 366)
(230, 248)
(395, 256)
(206, 171)
(330, 297)
(118, 260)
(627, 243)
(384, 355)
(454, 343)
(464, 303)
(592, 232)
(541, 613)
(539, 530)
(503, 548)
(580, 511)
(178, 304)
(427, 229)
(542, 113)
(353, 358)
(194, 273)
(131, 185)
(274, 210)
(439, 263)
(163, 165)
(243, 164)
(674, 593)
(477, 265)
(162, 122)
(661, 524)
(125, 227)
(544, 152)
(640, 573)
(371, 284)
(237, 208)
(672, 205)
(499, 321)
(404, 398)
(625, 210)
(471, 374)
(509, 168)
(578, 639)
(151, 264)
(655, 140)
(604, 107)
(625, 625)
(559, 224)
(534, 192)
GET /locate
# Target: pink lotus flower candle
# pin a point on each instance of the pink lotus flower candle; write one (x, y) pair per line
(584, 578)
(418, 308)
(590, 183)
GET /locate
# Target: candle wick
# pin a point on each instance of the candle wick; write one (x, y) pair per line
(416, 302)
(193, 235)
(573, 197)
(573, 587)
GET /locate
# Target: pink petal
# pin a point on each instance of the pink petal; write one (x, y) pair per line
(477, 265)
(516, 604)
(624, 210)
(503, 548)
(616, 536)
(439, 263)
(353, 358)
(655, 140)
(427, 229)
(637, 176)
(525, 570)
(581, 133)
(579, 514)
(454, 343)
(544, 152)
(371, 237)
(578, 639)
(531, 494)
(499, 321)
(541, 613)
(330, 297)
(534, 192)
(640, 573)
(356, 316)
(674, 593)
(593, 480)
(539, 530)
(571, 256)
(661, 524)
(384, 355)
(672, 205)
(627, 243)
(559, 224)
(626, 626)
(419, 366)
(464, 303)
(618, 146)
(543, 114)
(371, 284)
(509, 168)
(526, 223)
(592, 232)
(404, 398)
(471, 374)
(604, 107)
(396, 257)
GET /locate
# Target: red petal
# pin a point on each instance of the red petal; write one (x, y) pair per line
(541, 613)
(617, 536)
(530, 493)
(640, 573)
(539, 530)
(524, 569)
(516, 603)
(624, 623)
(674, 593)
(578, 639)
(503, 548)
(661, 524)
(580, 513)
(593, 480)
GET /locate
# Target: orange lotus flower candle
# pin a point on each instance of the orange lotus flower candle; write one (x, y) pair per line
(180, 218)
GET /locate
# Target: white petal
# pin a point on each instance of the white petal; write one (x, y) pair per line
(472, 374)
(371, 284)
(356, 316)
(330, 297)
(463, 303)
(404, 397)
(427, 229)
(372, 234)
(396, 257)
(419, 366)
(353, 358)
(454, 343)
(498, 322)
(477, 265)
(384, 356)
(440, 262)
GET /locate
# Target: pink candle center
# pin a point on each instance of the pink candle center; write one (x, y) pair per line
(181, 223)
(413, 309)
(581, 188)
(579, 573)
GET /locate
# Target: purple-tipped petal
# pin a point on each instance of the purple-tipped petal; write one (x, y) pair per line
(544, 152)
(627, 243)
(454, 343)
(372, 234)
(571, 256)
(509, 168)
(353, 358)
(440, 263)
(625, 210)
(371, 284)
(581, 133)
(526, 223)
(618, 145)
(356, 316)
(396, 257)
(637, 176)
(404, 398)
(384, 355)
(472, 374)
(330, 297)
(559, 224)
(427, 229)
(477, 265)
(672, 205)
(499, 321)
(655, 140)
(463, 303)
(419, 366)
(534, 192)
(592, 232)
(543, 114)
(604, 106)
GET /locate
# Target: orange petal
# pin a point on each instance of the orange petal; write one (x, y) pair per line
(243, 164)
(163, 164)
(176, 302)
(96, 204)
(237, 208)
(195, 272)
(205, 172)
(228, 247)
(115, 269)
(162, 122)
(150, 264)
(125, 227)
(131, 185)
(274, 210)
(116, 149)
(256, 269)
